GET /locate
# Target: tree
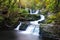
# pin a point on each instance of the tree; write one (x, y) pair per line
(11, 14)
(53, 6)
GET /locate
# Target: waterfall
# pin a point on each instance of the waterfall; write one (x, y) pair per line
(18, 26)
(33, 27)
(42, 18)
(32, 11)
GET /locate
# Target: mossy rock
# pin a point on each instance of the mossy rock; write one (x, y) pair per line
(29, 17)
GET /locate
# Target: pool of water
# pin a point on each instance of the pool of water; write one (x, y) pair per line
(16, 35)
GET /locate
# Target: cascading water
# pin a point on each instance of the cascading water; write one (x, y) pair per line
(34, 12)
(17, 28)
(33, 27)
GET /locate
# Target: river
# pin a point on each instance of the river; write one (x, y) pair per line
(31, 32)
(33, 27)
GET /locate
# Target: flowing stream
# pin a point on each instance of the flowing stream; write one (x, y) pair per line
(33, 27)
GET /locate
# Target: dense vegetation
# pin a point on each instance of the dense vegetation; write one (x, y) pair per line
(13, 11)
(52, 12)
(11, 14)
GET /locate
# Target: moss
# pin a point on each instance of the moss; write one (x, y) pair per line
(29, 17)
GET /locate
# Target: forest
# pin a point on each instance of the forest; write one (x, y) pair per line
(14, 11)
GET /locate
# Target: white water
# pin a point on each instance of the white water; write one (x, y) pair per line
(33, 28)
(17, 28)
(34, 12)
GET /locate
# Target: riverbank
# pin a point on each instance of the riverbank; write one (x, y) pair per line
(47, 32)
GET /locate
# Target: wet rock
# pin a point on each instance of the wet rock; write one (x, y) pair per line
(47, 32)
